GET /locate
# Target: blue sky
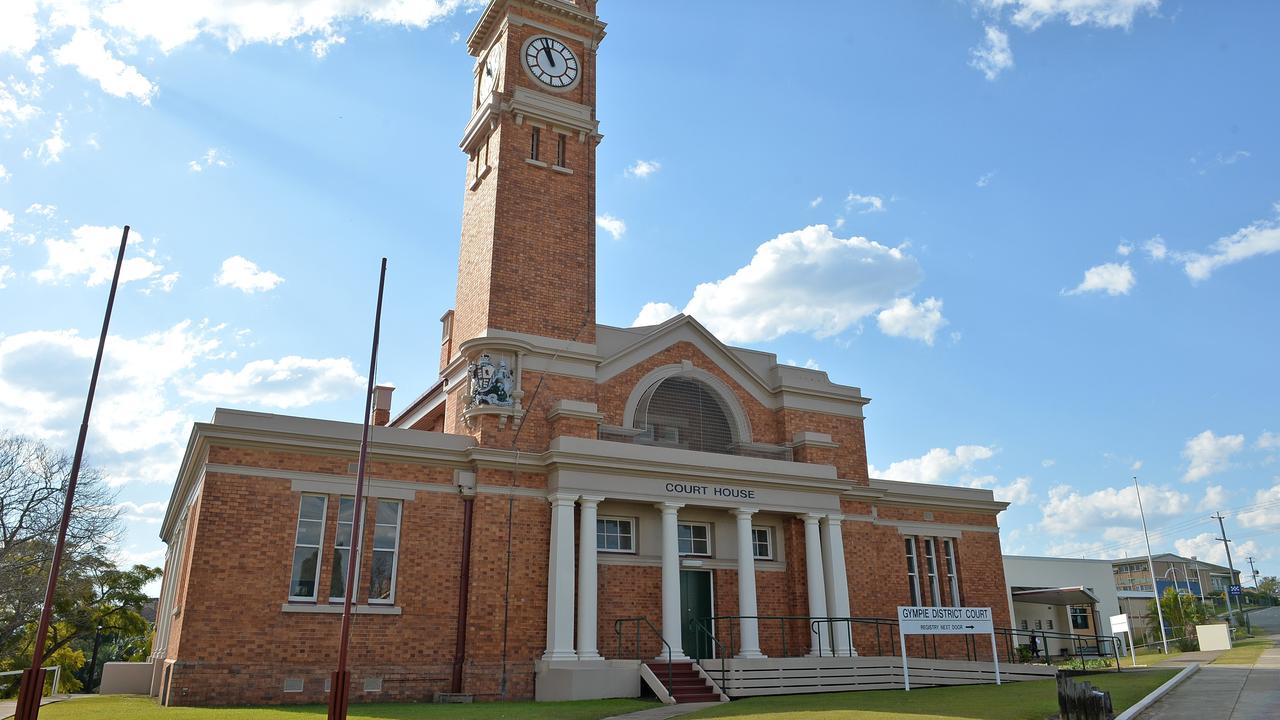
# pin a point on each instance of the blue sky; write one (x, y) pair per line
(1042, 235)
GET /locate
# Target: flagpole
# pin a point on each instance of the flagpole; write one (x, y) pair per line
(340, 681)
(1151, 567)
(31, 686)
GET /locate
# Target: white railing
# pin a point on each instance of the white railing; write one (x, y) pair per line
(57, 678)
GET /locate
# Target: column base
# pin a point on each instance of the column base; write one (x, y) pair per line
(678, 656)
(559, 655)
(589, 656)
(751, 655)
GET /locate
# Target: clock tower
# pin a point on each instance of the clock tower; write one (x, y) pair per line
(527, 259)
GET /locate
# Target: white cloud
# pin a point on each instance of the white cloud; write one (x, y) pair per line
(1031, 14)
(805, 281)
(6, 221)
(815, 202)
(289, 382)
(986, 178)
(643, 168)
(91, 253)
(6, 274)
(810, 364)
(1155, 248)
(36, 65)
(612, 225)
(1215, 498)
(654, 313)
(150, 513)
(993, 56)
(245, 275)
(1124, 249)
(1260, 238)
(51, 149)
(935, 466)
(1048, 462)
(1208, 454)
(5, 175)
(1206, 546)
(1111, 278)
(1265, 512)
(1068, 511)
(12, 110)
(867, 203)
(41, 209)
(1268, 441)
(87, 52)
(1017, 492)
(209, 159)
(917, 321)
(19, 29)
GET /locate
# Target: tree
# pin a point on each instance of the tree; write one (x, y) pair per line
(1269, 586)
(1181, 611)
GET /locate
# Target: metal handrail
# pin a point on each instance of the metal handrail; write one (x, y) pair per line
(57, 677)
(710, 633)
(617, 630)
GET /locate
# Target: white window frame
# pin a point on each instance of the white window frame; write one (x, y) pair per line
(692, 540)
(319, 547)
(953, 571)
(913, 569)
(768, 542)
(395, 551)
(355, 595)
(631, 523)
(931, 567)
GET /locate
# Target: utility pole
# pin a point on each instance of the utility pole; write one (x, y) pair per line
(1151, 567)
(1254, 570)
(1231, 580)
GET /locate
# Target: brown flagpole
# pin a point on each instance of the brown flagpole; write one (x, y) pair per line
(340, 681)
(31, 686)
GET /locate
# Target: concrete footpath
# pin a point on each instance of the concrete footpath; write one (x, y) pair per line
(664, 712)
(9, 707)
(1229, 692)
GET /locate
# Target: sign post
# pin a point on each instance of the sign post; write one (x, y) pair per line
(1120, 623)
(914, 620)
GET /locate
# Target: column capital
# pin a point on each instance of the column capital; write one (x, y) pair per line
(812, 518)
(562, 498)
(745, 512)
(590, 500)
(834, 518)
(668, 507)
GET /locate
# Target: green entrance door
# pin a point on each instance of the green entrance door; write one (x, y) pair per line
(695, 609)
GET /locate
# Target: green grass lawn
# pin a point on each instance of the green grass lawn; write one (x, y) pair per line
(1150, 658)
(1034, 700)
(1244, 652)
(116, 707)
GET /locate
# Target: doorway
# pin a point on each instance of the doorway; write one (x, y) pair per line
(696, 606)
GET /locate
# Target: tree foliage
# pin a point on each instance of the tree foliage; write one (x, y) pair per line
(1182, 612)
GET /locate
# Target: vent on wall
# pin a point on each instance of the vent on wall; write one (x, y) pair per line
(373, 684)
(293, 684)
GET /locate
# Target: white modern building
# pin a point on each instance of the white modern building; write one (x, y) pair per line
(1059, 599)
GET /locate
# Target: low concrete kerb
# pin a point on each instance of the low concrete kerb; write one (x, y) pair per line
(1158, 693)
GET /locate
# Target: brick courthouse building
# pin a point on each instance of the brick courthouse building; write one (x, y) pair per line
(559, 476)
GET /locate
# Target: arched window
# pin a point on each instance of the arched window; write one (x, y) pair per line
(686, 413)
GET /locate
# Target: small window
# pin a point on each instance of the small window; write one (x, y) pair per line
(931, 567)
(306, 548)
(1039, 624)
(1024, 624)
(533, 144)
(1080, 618)
(953, 577)
(694, 538)
(614, 534)
(762, 543)
(560, 143)
(386, 542)
(1048, 624)
(913, 572)
(342, 551)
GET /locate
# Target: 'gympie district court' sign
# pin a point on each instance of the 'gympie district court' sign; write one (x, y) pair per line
(915, 620)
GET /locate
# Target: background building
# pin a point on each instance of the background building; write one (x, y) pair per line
(1061, 595)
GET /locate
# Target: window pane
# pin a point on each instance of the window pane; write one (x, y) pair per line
(346, 509)
(380, 578)
(303, 583)
(312, 507)
(388, 512)
(624, 542)
(343, 536)
(684, 532)
(338, 574)
(309, 532)
(686, 546)
(384, 537)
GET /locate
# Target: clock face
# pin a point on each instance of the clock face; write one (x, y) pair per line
(551, 62)
(489, 73)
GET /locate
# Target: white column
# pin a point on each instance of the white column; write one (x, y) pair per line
(837, 581)
(671, 630)
(560, 581)
(816, 585)
(749, 627)
(587, 579)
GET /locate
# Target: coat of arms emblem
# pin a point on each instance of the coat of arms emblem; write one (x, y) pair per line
(490, 383)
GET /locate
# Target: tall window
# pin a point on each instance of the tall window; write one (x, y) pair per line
(1079, 618)
(342, 550)
(953, 577)
(694, 538)
(533, 144)
(306, 548)
(913, 572)
(931, 567)
(762, 543)
(560, 143)
(386, 543)
(615, 534)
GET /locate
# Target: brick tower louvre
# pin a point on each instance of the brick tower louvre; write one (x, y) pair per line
(527, 257)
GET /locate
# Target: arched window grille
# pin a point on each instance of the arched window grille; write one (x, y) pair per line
(686, 413)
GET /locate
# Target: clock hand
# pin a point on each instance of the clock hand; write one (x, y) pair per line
(551, 59)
